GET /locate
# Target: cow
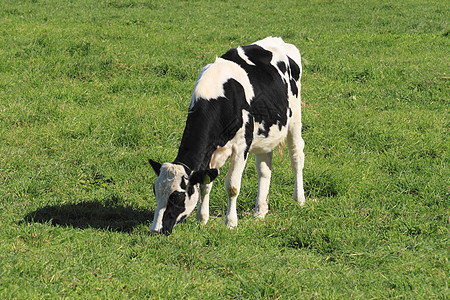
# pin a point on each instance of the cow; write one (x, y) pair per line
(246, 101)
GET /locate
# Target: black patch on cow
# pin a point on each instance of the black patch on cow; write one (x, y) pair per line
(294, 88)
(281, 66)
(295, 69)
(175, 207)
(211, 123)
(248, 135)
(182, 184)
(280, 126)
(190, 190)
(258, 55)
(263, 132)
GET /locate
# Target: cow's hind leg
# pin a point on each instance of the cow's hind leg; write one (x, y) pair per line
(264, 169)
(233, 186)
(296, 145)
(202, 215)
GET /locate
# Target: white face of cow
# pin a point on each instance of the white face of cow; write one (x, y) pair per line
(176, 193)
(175, 197)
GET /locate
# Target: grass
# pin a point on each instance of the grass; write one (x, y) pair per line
(90, 89)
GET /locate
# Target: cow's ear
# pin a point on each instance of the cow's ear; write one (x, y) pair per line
(156, 166)
(203, 176)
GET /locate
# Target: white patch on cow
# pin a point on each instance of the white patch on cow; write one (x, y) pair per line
(262, 144)
(157, 219)
(220, 156)
(277, 46)
(212, 78)
(169, 179)
(196, 84)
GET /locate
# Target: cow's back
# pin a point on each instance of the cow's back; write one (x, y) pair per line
(246, 96)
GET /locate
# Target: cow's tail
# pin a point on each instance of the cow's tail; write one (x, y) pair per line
(280, 148)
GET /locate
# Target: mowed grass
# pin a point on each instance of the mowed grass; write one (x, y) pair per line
(89, 90)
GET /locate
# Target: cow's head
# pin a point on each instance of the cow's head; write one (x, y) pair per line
(176, 192)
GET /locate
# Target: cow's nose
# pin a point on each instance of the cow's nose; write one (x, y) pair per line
(155, 231)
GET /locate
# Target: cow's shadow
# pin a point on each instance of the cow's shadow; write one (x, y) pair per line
(92, 214)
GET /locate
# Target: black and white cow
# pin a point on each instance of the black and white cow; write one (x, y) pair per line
(247, 101)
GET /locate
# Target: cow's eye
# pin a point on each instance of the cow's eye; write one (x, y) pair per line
(190, 191)
(183, 183)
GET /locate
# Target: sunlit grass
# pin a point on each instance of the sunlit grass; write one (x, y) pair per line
(90, 90)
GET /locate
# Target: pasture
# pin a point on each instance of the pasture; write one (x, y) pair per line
(89, 90)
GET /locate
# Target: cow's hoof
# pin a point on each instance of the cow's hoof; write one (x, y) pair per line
(260, 212)
(229, 226)
(202, 219)
(231, 223)
(259, 215)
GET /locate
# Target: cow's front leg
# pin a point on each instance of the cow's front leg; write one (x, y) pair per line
(233, 186)
(203, 206)
(264, 169)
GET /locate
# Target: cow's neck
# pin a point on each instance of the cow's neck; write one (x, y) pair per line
(194, 157)
(198, 142)
(210, 124)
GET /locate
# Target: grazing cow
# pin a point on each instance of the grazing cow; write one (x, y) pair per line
(247, 101)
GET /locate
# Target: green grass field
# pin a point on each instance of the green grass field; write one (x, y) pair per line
(89, 90)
